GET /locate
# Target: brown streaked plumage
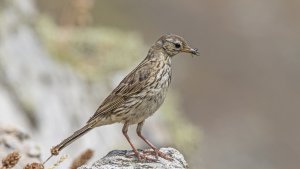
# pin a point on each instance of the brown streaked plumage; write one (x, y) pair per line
(138, 95)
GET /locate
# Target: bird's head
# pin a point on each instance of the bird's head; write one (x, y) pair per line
(174, 44)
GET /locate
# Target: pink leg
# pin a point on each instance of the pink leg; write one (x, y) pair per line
(156, 150)
(137, 154)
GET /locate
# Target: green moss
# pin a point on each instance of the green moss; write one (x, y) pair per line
(93, 51)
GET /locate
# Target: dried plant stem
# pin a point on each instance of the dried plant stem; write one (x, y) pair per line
(61, 159)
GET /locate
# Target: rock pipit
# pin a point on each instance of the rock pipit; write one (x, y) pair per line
(138, 95)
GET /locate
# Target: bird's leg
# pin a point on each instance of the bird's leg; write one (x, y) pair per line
(156, 150)
(137, 154)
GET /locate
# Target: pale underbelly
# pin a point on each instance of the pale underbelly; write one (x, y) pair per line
(143, 111)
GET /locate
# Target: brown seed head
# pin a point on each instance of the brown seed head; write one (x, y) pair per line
(54, 151)
(11, 160)
(34, 166)
(82, 159)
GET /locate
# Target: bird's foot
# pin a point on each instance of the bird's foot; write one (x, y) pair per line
(157, 153)
(141, 156)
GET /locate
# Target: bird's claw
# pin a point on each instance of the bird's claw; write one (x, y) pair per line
(157, 153)
(141, 156)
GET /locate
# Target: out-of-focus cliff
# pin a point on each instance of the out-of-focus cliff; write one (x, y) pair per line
(53, 78)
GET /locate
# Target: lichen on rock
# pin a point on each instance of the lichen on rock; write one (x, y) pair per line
(120, 159)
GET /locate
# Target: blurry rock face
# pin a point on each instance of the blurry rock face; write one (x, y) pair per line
(118, 159)
(49, 99)
(43, 97)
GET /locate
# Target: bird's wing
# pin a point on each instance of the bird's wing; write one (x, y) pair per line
(133, 83)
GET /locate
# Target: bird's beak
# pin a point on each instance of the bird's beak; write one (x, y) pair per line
(193, 51)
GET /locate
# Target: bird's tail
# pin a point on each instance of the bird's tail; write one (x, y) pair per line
(72, 138)
(56, 149)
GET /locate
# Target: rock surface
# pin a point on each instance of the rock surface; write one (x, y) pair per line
(119, 159)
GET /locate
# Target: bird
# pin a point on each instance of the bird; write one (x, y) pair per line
(138, 95)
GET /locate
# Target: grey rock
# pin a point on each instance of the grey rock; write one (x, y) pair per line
(121, 159)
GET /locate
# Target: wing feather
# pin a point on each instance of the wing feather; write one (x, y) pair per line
(132, 84)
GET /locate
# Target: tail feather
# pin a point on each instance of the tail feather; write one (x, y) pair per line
(72, 138)
(56, 149)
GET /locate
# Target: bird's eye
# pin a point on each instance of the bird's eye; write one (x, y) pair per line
(177, 45)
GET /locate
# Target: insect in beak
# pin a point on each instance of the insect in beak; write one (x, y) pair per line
(192, 51)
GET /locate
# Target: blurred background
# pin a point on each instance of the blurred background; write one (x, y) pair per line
(235, 106)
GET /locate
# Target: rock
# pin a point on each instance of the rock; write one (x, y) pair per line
(119, 159)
